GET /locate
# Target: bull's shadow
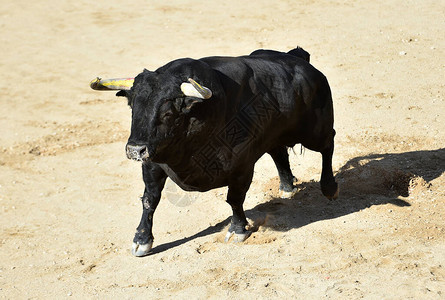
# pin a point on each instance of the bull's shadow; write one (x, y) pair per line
(365, 181)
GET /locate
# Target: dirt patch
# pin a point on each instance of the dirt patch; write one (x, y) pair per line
(64, 138)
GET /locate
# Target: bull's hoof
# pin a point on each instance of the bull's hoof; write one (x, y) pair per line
(237, 237)
(287, 195)
(330, 189)
(141, 250)
(337, 193)
(335, 196)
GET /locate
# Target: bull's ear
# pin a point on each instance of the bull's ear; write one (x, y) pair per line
(127, 94)
(122, 93)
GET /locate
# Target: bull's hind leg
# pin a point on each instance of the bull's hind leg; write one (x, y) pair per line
(281, 159)
(329, 187)
(235, 197)
(154, 179)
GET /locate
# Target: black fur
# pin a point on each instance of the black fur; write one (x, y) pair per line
(261, 103)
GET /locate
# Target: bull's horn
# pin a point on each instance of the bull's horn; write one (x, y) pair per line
(194, 89)
(111, 84)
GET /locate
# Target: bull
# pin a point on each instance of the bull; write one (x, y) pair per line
(205, 122)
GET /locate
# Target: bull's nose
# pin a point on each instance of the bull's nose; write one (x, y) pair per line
(136, 152)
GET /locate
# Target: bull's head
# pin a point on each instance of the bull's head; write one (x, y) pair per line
(191, 89)
(161, 111)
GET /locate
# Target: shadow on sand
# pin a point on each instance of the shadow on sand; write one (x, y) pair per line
(365, 181)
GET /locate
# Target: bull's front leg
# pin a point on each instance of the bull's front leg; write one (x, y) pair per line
(154, 179)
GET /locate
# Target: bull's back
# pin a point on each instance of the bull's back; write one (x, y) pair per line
(286, 78)
(282, 99)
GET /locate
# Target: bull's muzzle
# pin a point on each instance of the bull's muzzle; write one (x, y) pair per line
(139, 153)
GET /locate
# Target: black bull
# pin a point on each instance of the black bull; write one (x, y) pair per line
(204, 123)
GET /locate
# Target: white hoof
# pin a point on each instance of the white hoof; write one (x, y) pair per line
(286, 195)
(228, 236)
(237, 237)
(141, 250)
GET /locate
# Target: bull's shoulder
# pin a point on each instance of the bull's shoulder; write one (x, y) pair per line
(267, 61)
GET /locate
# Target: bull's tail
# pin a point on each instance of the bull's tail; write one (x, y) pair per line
(300, 52)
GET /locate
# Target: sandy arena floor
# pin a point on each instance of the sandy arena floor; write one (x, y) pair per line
(69, 197)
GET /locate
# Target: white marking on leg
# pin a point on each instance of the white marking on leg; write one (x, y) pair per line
(145, 202)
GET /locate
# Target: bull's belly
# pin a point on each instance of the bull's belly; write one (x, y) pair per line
(197, 179)
(215, 164)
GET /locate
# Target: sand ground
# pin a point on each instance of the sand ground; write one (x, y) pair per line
(69, 197)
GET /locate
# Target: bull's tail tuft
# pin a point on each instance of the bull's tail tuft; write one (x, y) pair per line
(301, 53)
